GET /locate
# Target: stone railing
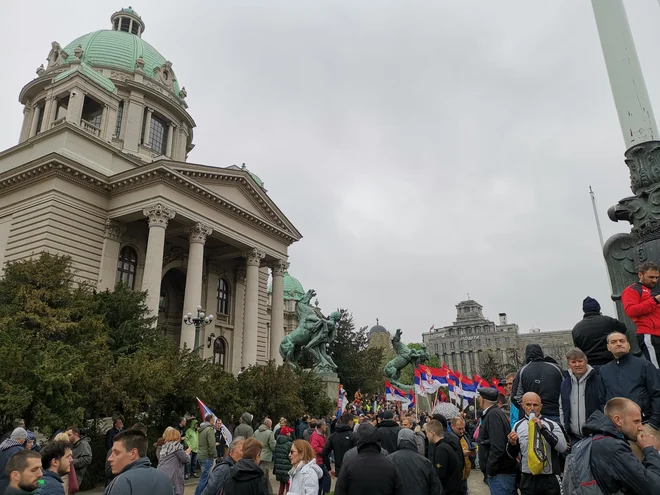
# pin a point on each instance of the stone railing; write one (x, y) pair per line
(91, 128)
(58, 122)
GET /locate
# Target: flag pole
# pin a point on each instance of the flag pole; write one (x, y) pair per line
(602, 242)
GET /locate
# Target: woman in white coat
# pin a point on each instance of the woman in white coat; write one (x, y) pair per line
(305, 474)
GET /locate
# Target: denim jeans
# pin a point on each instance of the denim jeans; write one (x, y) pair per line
(502, 484)
(191, 467)
(206, 464)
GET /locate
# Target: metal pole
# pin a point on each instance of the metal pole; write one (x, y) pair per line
(602, 242)
(631, 97)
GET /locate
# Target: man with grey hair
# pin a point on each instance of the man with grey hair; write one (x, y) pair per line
(15, 443)
(266, 436)
(579, 394)
(220, 474)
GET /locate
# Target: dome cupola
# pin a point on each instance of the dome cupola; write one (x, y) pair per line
(128, 21)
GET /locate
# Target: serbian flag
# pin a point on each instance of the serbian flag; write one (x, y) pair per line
(411, 399)
(394, 394)
(496, 384)
(434, 375)
(468, 388)
(419, 385)
(481, 382)
(206, 410)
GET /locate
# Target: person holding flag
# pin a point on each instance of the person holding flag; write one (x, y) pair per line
(539, 442)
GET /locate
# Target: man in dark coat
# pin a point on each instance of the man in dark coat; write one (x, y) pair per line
(590, 334)
(613, 464)
(389, 430)
(369, 472)
(55, 463)
(246, 477)
(15, 443)
(24, 473)
(579, 394)
(445, 460)
(220, 473)
(117, 427)
(132, 467)
(497, 466)
(341, 441)
(450, 438)
(416, 472)
(542, 377)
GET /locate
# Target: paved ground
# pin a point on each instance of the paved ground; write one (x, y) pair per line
(476, 485)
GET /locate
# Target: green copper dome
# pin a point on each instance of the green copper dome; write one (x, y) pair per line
(118, 50)
(293, 289)
(256, 178)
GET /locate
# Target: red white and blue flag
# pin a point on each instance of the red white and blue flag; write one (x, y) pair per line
(206, 410)
(481, 382)
(496, 384)
(395, 395)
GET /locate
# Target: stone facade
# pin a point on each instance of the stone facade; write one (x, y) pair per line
(471, 338)
(100, 174)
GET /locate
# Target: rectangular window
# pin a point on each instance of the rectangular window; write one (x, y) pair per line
(42, 109)
(158, 135)
(120, 116)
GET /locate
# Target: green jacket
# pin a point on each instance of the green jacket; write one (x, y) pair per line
(266, 436)
(206, 444)
(192, 437)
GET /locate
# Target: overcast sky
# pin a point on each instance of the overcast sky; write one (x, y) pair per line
(424, 149)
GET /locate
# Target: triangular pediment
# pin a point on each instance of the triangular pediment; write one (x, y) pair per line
(235, 194)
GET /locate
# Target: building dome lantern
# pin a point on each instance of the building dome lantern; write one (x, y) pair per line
(127, 20)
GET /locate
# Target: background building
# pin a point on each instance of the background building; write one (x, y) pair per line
(474, 344)
(100, 174)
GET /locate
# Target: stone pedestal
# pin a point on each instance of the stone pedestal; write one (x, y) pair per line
(331, 384)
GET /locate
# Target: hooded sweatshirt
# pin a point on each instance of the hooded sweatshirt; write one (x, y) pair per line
(192, 437)
(416, 471)
(266, 436)
(206, 443)
(244, 429)
(246, 478)
(541, 377)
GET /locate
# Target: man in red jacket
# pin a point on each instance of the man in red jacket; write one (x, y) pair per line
(641, 302)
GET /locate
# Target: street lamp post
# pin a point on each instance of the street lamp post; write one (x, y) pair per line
(201, 320)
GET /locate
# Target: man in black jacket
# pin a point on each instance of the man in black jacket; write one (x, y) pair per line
(220, 473)
(497, 466)
(369, 472)
(341, 441)
(613, 464)
(117, 427)
(579, 394)
(449, 438)
(542, 377)
(630, 377)
(389, 430)
(590, 334)
(416, 472)
(445, 460)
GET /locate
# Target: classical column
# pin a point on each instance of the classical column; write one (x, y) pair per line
(253, 259)
(110, 255)
(75, 108)
(193, 297)
(147, 127)
(170, 137)
(277, 310)
(239, 312)
(158, 215)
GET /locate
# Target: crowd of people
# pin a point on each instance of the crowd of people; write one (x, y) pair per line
(593, 428)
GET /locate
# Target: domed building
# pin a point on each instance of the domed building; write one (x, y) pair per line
(100, 174)
(379, 336)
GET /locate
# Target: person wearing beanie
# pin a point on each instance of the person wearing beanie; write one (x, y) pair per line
(15, 443)
(590, 334)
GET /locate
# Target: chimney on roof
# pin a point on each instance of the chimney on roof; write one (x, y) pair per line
(503, 319)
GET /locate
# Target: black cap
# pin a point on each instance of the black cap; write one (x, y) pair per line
(488, 393)
(388, 415)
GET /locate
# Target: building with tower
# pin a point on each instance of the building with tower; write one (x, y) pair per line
(100, 173)
(473, 340)
(379, 336)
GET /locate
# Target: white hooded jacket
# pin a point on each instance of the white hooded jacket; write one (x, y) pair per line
(304, 479)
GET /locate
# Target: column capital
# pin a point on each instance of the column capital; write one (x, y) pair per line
(279, 267)
(113, 230)
(253, 257)
(158, 215)
(240, 275)
(198, 232)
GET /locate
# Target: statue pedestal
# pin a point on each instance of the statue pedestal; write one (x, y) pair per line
(331, 383)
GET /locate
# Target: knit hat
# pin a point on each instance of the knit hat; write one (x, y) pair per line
(18, 434)
(388, 414)
(285, 430)
(590, 305)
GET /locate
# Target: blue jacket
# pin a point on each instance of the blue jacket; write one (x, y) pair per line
(635, 379)
(7, 449)
(139, 478)
(591, 399)
(50, 484)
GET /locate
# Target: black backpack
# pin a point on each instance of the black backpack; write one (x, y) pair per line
(578, 477)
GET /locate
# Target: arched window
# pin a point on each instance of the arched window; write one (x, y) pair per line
(219, 352)
(223, 297)
(126, 266)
